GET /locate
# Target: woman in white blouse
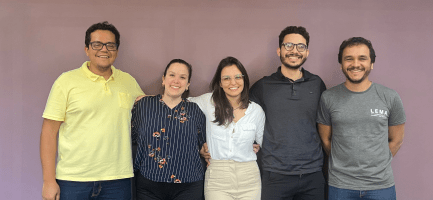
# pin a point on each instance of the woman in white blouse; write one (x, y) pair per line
(233, 123)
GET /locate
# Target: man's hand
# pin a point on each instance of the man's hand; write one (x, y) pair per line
(256, 148)
(50, 191)
(138, 98)
(204, 152)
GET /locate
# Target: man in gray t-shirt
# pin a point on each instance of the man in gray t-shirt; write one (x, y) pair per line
(361, 125)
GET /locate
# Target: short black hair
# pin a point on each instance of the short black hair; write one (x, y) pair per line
(353, 42)
(294, 29)
(102, 26)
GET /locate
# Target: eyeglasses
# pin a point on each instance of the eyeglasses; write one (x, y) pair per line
(99, 45)
(300, 47)
(228, 79)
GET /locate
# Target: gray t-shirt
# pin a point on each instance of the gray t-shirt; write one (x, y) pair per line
(360, 156)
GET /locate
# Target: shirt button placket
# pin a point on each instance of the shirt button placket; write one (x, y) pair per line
(231, 141)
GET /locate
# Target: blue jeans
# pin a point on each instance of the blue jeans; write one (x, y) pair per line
(345, 194)
(114, 189)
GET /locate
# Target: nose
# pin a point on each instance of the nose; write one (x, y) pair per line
(177, 79)
(232, 80)
(356, 63)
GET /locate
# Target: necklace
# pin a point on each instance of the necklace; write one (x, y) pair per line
(234, 110)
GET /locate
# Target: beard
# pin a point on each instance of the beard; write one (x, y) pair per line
(366, 73)
(288, 65)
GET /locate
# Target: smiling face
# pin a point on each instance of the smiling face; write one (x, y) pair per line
(175, 80)
(356, 63)
(293, 59)
(233, 86)
(101, 60)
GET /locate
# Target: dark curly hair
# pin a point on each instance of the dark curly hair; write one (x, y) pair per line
(294, 29)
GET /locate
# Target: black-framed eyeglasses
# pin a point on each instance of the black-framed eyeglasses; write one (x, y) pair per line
(300, 47)
(99, 45)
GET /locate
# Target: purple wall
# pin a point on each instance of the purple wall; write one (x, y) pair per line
(41, 39)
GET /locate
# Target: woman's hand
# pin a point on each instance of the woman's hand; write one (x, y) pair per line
(204, 152)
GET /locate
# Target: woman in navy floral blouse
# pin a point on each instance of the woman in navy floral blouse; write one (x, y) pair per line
(169, 131)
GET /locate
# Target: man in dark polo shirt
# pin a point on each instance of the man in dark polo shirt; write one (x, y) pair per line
(292, 157)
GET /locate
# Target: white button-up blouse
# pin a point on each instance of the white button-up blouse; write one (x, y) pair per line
(235, 140)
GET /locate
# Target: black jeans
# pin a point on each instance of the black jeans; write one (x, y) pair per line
(149, 190)
(293, 187)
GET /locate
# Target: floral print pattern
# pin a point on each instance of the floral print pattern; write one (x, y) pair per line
(160, 133)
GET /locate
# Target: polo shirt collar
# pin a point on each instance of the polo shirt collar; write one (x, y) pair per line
(305, 74)
(92, 76)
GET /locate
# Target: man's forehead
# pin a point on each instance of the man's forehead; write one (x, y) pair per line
(106, 34)
(358, 49)
(294, 38)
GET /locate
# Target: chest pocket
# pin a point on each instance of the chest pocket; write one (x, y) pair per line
(125, 100)
(248, 133)
(219, 132)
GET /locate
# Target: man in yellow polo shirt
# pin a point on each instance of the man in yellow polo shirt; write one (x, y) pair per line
(90, 108)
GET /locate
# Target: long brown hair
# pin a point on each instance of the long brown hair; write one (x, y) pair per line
(223, 108)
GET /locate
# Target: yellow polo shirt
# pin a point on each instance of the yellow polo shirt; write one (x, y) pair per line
(94, 138)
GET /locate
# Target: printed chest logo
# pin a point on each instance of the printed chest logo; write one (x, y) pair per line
(379, 113)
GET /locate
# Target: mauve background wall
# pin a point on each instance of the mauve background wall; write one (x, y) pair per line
(41, 39)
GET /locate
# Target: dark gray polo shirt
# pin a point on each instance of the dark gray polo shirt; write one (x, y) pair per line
(291, 143)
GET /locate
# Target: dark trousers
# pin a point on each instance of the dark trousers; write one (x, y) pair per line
(114, 189)
(293, 187)
(149, 190)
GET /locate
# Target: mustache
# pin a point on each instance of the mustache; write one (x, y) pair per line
(356, 68)
(294, 54)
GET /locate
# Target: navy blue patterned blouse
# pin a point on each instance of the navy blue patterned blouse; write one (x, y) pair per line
(168, 140)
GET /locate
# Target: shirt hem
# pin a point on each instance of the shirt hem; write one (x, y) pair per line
(108, 178)
(294, 172)
(362, 188)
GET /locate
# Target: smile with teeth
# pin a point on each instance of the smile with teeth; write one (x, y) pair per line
(175, 87)
(357, 69)
(234, 88)
(294, 57)
(103, 56)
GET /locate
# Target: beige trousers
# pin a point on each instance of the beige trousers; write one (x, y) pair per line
(228, 179)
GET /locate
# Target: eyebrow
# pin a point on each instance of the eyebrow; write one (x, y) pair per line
(171, 72)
